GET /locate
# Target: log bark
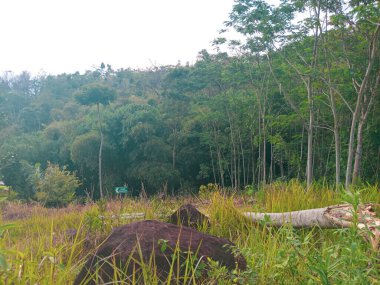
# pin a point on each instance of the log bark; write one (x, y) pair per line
(336, 216)
(300, 219)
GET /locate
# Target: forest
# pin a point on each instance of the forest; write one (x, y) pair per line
(257, 164)
(294, 98)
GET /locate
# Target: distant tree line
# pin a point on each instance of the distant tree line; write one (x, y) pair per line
(292, 101)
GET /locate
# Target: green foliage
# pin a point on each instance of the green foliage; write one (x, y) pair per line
(95, 93)
(92, 221)
(54, 252)
(84, 151)
(222, 122)
(190, 125)
(206, 191)
(3, 252)
(55, 186)
(294, 196)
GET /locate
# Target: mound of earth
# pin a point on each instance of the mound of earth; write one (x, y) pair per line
(189, 216)
(152, 243)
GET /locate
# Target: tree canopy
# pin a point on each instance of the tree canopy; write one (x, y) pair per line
(293, 101)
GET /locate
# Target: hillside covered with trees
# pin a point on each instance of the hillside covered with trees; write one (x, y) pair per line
(291, 100)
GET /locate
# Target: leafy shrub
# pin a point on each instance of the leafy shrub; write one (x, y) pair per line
(56, 186)
(205, 191)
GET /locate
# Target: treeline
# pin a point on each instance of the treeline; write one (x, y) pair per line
(286, 105)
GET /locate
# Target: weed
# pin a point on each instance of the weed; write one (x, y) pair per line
(49, 246)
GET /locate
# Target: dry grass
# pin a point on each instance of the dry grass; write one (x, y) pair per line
(49, 246)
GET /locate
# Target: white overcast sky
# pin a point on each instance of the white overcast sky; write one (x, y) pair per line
(59, 36)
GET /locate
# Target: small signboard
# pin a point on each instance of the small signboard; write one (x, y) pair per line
(121, 190)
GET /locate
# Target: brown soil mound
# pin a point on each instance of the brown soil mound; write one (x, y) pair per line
(189, 216)
(129, 245)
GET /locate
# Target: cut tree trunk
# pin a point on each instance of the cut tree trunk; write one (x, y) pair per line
(336, 216)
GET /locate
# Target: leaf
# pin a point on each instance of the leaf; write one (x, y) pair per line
(5, 227)
(164, 244)
(3, 262)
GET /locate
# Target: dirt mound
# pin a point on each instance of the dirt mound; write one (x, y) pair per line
(130, 245)
(189, 216)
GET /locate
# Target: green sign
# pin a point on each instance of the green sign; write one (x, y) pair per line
(121, 190)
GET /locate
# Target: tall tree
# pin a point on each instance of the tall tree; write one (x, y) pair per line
(270, 29)
(99, 94)
(359, 24)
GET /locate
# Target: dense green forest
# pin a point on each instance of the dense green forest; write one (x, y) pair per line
(290, 100)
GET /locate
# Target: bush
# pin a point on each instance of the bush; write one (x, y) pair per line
(56, 186)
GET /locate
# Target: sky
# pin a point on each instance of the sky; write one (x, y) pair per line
(65, 36)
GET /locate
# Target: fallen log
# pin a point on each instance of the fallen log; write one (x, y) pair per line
(336, 216)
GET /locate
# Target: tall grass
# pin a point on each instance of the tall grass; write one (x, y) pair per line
(50, 246)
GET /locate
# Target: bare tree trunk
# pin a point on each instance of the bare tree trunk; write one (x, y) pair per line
(253, 159)
(221, 172)
(243, 160)
(174, 147)
(219, 157)
(301, 153)
(366, 108)
(337, 147)
(261, 97)
(271, 167)
(213, 166)
(259, 159)
(310, 134)
(310, 99)
(100, 154)
(378, 163)
(358, 153)
(334, 111)
(264, 153)
(351, 144)
(363, 86)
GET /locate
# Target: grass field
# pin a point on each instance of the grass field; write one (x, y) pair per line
(49, 246)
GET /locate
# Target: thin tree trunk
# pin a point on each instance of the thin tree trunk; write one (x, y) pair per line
(272, 162)
(221, 172)
(372, 49)
(243, 159)
(336, 126)
(337, 150)
(100, 154)
(362, 121)
(253, 159)
(264, 152)
(358, 153)
(309, 161)
(233, 174)
(174, 147)
(219, 157)
(259, 159)
(213, 166)
(378, 164)
(261, 95)
(334, 112)
(310, 98)
(301, 153)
